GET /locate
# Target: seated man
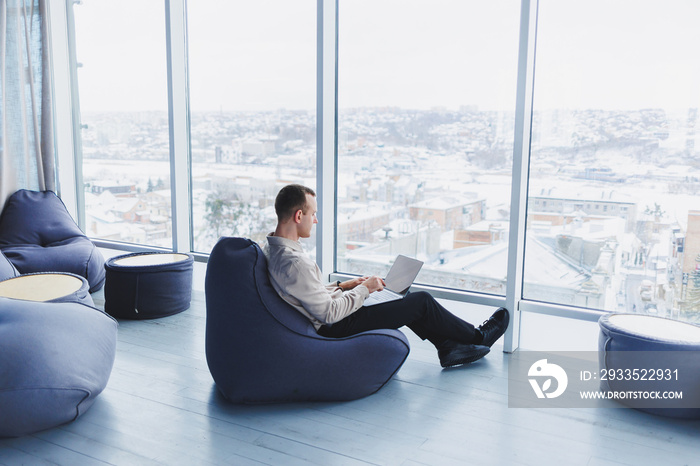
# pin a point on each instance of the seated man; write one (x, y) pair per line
(337, 310)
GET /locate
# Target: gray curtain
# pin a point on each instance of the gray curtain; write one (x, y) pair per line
(26, 126)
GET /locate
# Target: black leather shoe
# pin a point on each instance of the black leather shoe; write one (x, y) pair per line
(454, 354)
(493, 328)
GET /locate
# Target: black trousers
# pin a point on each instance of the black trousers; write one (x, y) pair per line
(419, 311)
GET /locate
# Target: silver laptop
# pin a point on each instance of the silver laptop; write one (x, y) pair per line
(398, 281)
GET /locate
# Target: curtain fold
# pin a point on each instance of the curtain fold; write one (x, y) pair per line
(26, 116)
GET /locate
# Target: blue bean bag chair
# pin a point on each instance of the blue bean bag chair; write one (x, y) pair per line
(650, 354)
(7, 270)
(37, 234)
(260, 349)
(55, 358)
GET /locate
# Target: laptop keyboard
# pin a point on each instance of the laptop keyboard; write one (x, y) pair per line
(383, 296)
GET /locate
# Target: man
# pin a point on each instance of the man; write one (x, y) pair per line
(337, 310)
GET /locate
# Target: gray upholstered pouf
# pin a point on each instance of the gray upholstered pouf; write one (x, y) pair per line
(148, 285)
(634, 345)
(55, 358)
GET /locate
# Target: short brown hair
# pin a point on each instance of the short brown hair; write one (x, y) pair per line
(290, 199)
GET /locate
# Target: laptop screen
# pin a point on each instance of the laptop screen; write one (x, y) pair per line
(402, 274)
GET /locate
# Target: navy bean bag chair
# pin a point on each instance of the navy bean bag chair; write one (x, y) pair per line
(260, 349)
(651, 354)
(37, 234)
(55, 358)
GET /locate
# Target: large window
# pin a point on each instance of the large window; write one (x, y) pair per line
(426, 98)
(426, 122)
(253, 121)
(613, 220)
(120, 45)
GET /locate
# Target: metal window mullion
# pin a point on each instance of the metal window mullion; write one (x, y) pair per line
(77, 175)
(521, 166)
(561, 310)
(326, 156)
(180, 187)
(62, 104)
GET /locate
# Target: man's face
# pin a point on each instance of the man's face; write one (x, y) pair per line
(308, 219)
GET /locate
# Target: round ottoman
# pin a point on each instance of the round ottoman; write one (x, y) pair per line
(148, 285)
(56, 358)
(52, 287)
(645, 356)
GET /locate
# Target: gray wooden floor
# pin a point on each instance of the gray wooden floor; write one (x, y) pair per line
(161, 407)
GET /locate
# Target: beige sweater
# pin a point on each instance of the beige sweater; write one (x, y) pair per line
(297, 279)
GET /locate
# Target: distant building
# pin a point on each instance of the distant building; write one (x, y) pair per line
(358, 223)
(597, 203)
(449, 212)
(98, 187)
(481, 233)
(601, 174)
(260, 147)
(691, 248)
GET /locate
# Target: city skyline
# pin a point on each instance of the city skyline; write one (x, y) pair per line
(431, 162)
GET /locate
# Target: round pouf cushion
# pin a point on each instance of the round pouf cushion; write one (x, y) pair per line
(148, 285)
(55, 359)
(651, 354)
(52, 287)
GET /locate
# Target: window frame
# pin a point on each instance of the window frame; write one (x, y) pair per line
(68, 150)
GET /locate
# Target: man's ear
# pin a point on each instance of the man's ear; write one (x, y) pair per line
(297, 216)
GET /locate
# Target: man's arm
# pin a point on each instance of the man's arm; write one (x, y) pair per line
(351, 284)
(324, 305)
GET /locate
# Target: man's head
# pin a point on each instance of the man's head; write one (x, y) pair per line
(296, 204)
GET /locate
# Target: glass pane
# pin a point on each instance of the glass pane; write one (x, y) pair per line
(124, 112)
(253, 112)
(425, 137)
(613, 220)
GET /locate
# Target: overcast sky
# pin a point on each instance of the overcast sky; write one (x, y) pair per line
(261, 55)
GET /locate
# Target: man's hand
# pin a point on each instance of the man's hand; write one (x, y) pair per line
(374, 284)
(350, 284)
